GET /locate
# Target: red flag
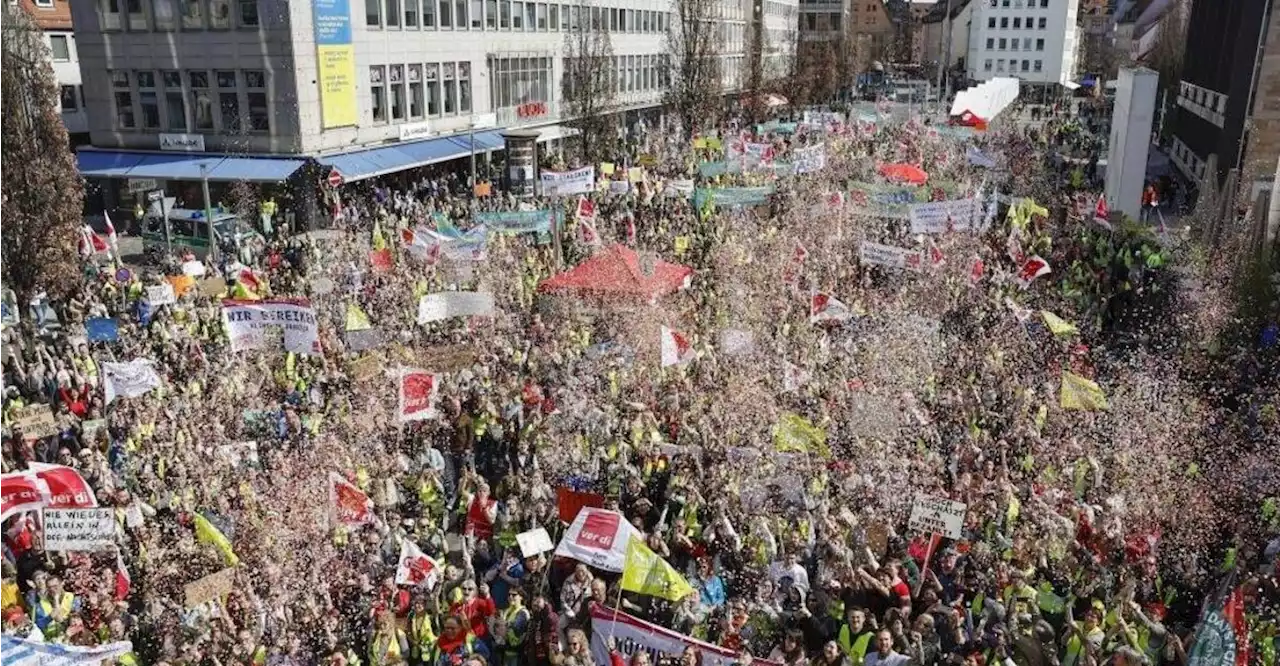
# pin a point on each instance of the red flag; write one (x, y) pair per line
(676, 349)
(569, 502)
(123, 580)
(976, 271)
(418, 392)
(1101, 214)
(1031, 269)
(825, 307)
(67, 489)
(935, 254)
(415, 567)
(21, 492)
(250, 281)
(353, 507)
(380, 260)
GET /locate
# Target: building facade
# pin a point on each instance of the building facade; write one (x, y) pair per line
(1036, 41)
(53, 17)
(935, 29)
(1230, 81)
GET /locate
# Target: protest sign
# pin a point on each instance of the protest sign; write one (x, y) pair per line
(569, 502)
(365, 368)
(211, 587)
(733, 196)
(632, 635)
(33, 652)
(102, 329)
(161, 294)
(79, 529)
(418, 392)
(193, 268)
(534, 541)
(565, 183)
(938, 217)
(212, 287)
(449, 304)
(936, 515)
(516, 221)
(888, 255)
(239, 454)
(810, 159)
(35, 421)
(272, 323)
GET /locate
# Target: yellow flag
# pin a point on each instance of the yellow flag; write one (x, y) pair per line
(357, 320)
(1030, 208)
(646, 573)
(379, 241)
(1058, 325)
(682, 245)
(1081, 394)
(795, 434)
(207, 533)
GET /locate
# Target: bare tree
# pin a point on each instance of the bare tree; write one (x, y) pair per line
(43, 194)
(695, 86)
(815, 78)
(589, 86)
(1165, 56)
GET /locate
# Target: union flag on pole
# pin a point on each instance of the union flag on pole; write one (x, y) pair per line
(1101, 214)
(1031, 269)
(351, 505)
(825, 307)
(416, 569)
(418, 392)
(587, 222)
(676, 349)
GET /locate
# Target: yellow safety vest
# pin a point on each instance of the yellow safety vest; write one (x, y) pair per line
(854, 647)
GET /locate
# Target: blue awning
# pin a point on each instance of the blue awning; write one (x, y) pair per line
(256, 169)
(105, 164)
(184, 166)
(362, 164)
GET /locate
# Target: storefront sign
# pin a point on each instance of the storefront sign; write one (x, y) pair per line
(531, 110)
(410, 131)
(190, 143)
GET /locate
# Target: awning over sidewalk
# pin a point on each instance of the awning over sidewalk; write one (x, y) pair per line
(184, 166)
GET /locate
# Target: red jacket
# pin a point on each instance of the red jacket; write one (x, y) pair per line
(477, 611)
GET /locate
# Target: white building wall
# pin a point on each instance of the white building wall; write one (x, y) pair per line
(1053, 21)
(1130, 139)
(66, 69)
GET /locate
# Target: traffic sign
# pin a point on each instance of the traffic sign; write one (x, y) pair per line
(123, 275)
(335, 178)
(155, 195)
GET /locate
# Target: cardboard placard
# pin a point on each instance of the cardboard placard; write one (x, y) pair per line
(936, 515)
(79, 529)
(211, 287)
(365, 368)
(213, 586)
(35, 421)
(534, 541)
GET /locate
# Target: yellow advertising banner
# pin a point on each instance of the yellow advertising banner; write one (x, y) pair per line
(335, 63)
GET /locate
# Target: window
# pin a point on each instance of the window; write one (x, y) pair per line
(378, 92)
(67, 98)
(192, 15)
(613, 19)
(137, 17)
(1041, 24)
(542, 16)
(428, 13)
(411, 13)
(220, 14)
(1044, 4)
(517, 15)
(991, 43)
(109, 14)
(450, 89)
(504, 13)
(564, 17)
(1004, 3)
(530, 15)
(1002, 43)
(1039, 64)
(397, 97)
(392, 13)
(1017, 22)
(1000, 65)
(248, 13)
(1040, 44)
(1004, 21)
(575, 22)
(255, 81)
(125, 119)
(1026, 65)
(201, 101)
(477, 14)
(228, 100)
(464, 87)
(415, 91)
(373, 13)
(460, 16)
(553, 20)
(986, 65)
(175, 103)
(491, 14)
(516, 81)
(58, 45)
(148, 100)
(1030, 22)
(433, 89)
(991, 22)
(164, 13)
(1013, 44)
(595, 17)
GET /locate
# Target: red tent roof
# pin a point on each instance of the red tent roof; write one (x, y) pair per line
(616, 271)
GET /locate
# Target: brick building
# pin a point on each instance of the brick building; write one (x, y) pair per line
(54, 19)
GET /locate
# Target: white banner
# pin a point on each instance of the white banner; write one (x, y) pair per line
(888, 255)
(631, 635)
(79, 529)
(936, 515)
(598, 538)
(161, 294)
(938, 217)
(26, 652)
(808, 160)
(128, 380)
(564, 183)
(448, 304)
(285, 323)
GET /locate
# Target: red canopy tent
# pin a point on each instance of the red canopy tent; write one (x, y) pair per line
(616, 271)
(908, 173)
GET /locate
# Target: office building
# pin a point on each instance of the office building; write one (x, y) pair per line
(1035, 41)
(1230, 81)
(256, 90)
(53, 17)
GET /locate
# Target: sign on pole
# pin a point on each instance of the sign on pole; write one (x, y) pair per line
(79, 529)
(335, 178)
(936, 515)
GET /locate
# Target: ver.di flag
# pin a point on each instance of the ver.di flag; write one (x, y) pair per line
(416, 568)
(1032, 268)
(646, 573)
(825, 307)
(351, 505)
(676, 349)
(418, 392)
(128, 380)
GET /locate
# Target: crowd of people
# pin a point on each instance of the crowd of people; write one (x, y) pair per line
(1089, 534)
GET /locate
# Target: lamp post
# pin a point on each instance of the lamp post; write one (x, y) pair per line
(208, 211)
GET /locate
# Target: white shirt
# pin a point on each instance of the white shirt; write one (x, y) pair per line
(892, 659)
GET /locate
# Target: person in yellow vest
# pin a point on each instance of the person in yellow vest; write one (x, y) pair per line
(1082, 636)
(456, 644)
(389, 645)
(855, 636)
(422, 632)
(509, 629)
(53, 608)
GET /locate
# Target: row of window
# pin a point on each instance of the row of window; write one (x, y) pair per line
(70, 98)
(1027, 65)
(170, 15)
(1018, 4)
(226, 101)
(1013, 44)
(60, 47)
(1187, 160)
(1207, 104)
(1018, 24)
(416, 91)
(508, 15)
